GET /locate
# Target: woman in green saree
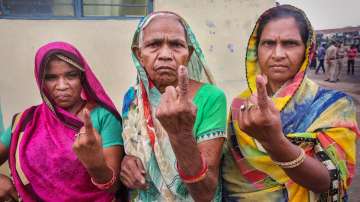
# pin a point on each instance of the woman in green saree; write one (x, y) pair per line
(174, 118)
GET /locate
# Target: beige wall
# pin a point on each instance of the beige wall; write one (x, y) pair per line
(105, 45)
(221, 26)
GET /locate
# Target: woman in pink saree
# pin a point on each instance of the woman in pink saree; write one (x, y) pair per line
(69, 147)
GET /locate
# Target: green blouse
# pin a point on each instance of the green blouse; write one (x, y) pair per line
(103, 121)
(210, 119)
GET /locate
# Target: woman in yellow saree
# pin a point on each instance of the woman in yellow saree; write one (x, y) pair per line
(288, 138)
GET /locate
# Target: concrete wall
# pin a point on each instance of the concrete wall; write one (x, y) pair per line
(221, 26)
(105, 45)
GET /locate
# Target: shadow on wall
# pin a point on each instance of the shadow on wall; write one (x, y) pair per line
(1, 121)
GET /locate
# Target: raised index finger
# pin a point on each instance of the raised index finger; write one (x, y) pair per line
(87, 122)
(262, 96)
(183, 82)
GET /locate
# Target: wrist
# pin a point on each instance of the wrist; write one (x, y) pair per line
(197, 176)
(97, 166)
(180, 136)
(273, 143)
(180, 132)
(101, 174)
(282, 150)
(104, 185)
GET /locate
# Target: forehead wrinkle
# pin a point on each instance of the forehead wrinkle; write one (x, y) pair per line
(163, 37)
(281, 36)
(158, 16)
(162, 16)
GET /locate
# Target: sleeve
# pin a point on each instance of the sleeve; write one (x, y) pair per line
(6, 137)
(108, 126)
(212, 121)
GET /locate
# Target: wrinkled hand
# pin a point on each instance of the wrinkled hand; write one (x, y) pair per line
(176, 112)
(7, 189)
(259, 118)
(88, 145)
(132, 173)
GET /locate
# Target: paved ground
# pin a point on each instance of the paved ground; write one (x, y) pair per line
(351, 85)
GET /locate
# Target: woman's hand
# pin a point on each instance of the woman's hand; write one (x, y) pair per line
(176, 112)
(7, 189)
(88, 145)
(132, 173)
(259, 118)
(101, 164)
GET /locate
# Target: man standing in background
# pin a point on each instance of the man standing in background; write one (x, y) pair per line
(331, 63)
(340, 55)
(351, 54)
(321, 58)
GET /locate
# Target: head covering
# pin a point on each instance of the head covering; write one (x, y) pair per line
(197, 67)
(141, 125)
(42, 162)
(320, 121)
(284, 94)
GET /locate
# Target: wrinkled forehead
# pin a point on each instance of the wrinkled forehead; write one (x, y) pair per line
(166, 19)
(163, 16)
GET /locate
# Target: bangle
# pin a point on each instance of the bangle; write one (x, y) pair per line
(195, 178)
(106, 185)
(294, 163)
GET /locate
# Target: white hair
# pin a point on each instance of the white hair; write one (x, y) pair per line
(141, 34)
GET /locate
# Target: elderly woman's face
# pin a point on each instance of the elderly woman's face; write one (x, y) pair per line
(63, 84)
(163, 49)
(281, 50)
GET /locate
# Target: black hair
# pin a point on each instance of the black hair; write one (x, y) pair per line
(285, 11)
(50, 56)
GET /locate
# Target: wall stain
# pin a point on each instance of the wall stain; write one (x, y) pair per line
(210, 24)
(231, 47)
(211, 48)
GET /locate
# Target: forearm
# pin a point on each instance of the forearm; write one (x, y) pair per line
(311, 174)
(100, 173)
(190, 161)
(107, 167)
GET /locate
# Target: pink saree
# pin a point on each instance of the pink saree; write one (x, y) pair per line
(42, 163)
